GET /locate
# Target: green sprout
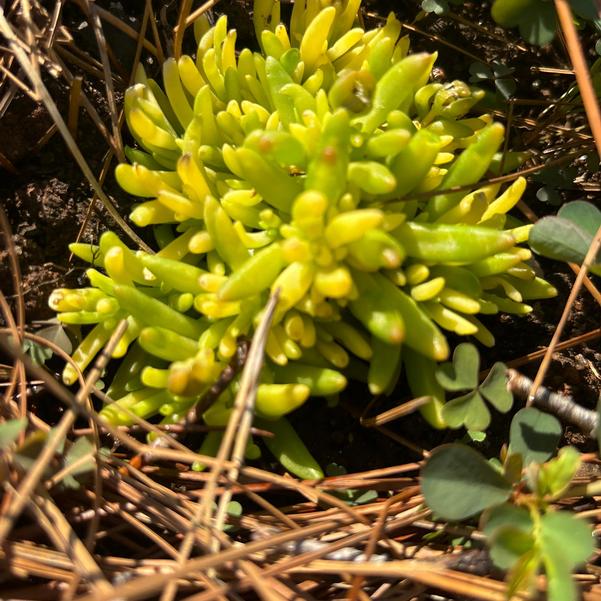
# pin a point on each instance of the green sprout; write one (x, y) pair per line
(326, 167)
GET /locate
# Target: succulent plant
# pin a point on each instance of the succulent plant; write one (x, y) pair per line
(323, 166)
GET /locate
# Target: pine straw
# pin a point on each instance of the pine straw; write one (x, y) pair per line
(132, 533)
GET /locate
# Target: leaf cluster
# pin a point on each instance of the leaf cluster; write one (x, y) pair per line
(461, 375)
(524, 533)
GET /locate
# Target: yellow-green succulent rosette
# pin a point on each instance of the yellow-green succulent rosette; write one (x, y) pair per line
(320, 166)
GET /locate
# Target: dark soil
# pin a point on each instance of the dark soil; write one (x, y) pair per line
(46, 200)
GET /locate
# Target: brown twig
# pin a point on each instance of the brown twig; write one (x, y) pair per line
(560, 405)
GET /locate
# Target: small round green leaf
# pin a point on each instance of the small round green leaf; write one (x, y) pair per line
(509, 532)
(509, 13)
(10, 430)
(504, 515)
(565, 542)
(508, 545)
(555, 476)
(506, 86)
(494, 388)
(462, 373)
(468, 410)
(435, 6)
(538, 27)
(56, 333)
(584, 214)
(457, 482)
(480, 72)
(559, 238)
(567, 539)
(534, 435)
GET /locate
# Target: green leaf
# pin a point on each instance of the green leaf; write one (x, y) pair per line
(548, 195)
(435, 6)
(560, 586)
(513, 466)
(561, 239)
(539, 28)
(462, 373)
(509, 532)
(234, 508)
(480, 72)
(10, 430)
(80, 448)
(555, 475)
(509, 13)
(508, 544)
(468, 410)
(534, 435)
(39, 354)
(457, 482)
(56, 334)
(522, 575)
(564, 534)
(475, 436)
(587, 9)
(27, 453)
(504, 515)
(494, 388)
(335, 469)
(506, 86)
(363, 497)
(584, 214)
(565, 542)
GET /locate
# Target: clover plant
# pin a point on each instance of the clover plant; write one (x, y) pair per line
(514, 500)
(469, 409)
(325, 166)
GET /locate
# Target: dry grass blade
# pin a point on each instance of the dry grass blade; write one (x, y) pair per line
(180, 29)
(396, 412)
(51, 107)
(129, 31)
(110, 94)
(61, 534)
(234, 442)
(240, 422)
(18, 327)
(430, 574)
(33, 477)
(583, 77)
(74, 104)
(201, 10)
